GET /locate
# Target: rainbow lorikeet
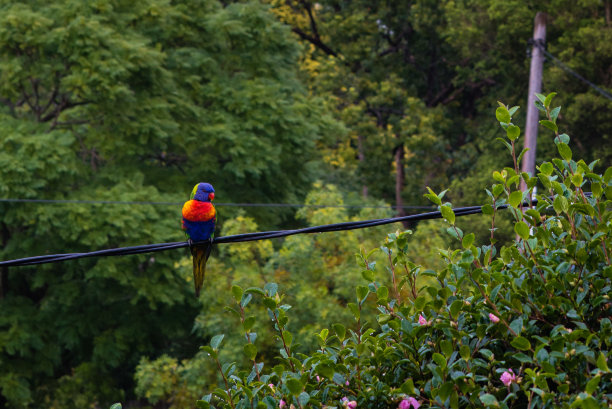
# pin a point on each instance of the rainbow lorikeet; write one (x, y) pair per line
(199, 217)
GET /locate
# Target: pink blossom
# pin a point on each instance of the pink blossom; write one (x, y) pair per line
(408, 402)
(350, 404)
(282, 404)
(318, 378)
(494, 319)
(423, 321)
(347, 383)
(508, 377)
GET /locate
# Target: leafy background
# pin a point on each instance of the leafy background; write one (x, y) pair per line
(331, 102)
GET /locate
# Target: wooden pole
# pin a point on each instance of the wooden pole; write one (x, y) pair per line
(535, 86)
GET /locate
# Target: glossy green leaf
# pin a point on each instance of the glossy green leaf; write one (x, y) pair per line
(521, 343)
(215, 342)
(513, 132)
(502, 115)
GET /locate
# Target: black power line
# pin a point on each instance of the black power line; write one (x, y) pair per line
(567, 69)
(239, 238)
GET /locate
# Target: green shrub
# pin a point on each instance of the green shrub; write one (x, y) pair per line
(523, 325)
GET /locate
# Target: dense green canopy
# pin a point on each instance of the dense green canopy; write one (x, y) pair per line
(352, 102)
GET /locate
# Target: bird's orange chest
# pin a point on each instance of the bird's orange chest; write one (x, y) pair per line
(196, 211)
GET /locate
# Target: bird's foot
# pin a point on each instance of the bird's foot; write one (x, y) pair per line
(190, 243)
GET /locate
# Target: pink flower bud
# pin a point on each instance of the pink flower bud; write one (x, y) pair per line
(318, 378)
(282, 404)
(347, 383)
(494, 319)
(508, 377)
(423, 321)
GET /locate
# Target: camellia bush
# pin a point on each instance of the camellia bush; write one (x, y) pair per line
(525, 325)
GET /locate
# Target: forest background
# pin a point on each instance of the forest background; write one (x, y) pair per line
(354, 103)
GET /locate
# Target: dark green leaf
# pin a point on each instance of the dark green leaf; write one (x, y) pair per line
(554, 114)
(517, 325)
(340, 331)
(200, 404)
(549, 124)
(455, 308)
(294, 386)
(216, 341)
(250, 351)
(489, 400)
(548, 99)
(439, 360)
(521, 343)
(465, 352)
(339, 379)
(303, 398)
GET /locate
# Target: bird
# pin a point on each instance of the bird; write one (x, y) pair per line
(199, 218)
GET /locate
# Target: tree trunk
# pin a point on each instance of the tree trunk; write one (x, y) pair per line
(361, 157)
(400, 177)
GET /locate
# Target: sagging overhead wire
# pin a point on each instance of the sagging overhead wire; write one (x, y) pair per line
(567, 69)
(239, 238)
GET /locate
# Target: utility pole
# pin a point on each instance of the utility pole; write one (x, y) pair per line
(535, 86)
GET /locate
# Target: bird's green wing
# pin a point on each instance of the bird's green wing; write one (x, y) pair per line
(193, 192)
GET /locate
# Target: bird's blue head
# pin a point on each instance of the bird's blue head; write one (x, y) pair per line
(204, 192)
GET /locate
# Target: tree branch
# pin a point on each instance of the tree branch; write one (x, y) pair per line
(314, 41)
(315, 38)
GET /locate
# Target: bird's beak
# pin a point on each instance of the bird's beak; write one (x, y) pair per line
(211, 196)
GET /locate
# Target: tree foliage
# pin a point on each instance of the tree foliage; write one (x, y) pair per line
(524, 325)
(388, 68)
(129, 101)
(333, 102)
